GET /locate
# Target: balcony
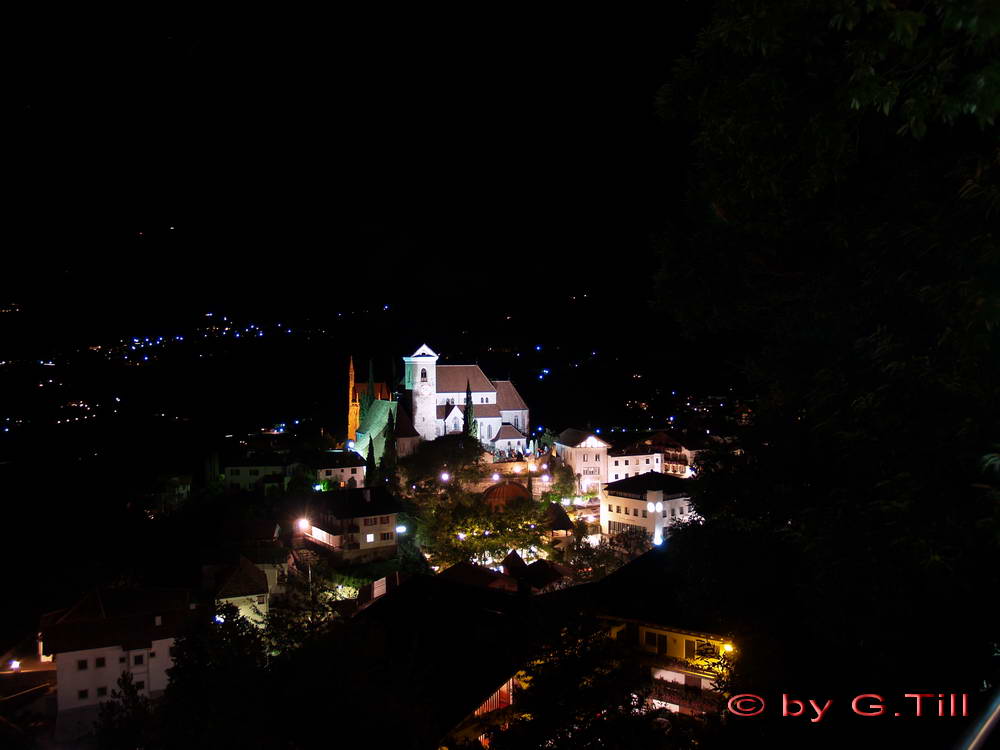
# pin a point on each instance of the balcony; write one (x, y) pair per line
(690, 699)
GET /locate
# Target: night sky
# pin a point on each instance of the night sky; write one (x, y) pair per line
(167, 167)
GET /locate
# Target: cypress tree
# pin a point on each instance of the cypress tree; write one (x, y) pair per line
(371, 470)
(470, 418)
(387, 467)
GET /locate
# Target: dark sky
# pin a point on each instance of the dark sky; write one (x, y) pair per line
(302, 161)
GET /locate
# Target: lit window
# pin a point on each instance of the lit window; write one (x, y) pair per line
(369, 538)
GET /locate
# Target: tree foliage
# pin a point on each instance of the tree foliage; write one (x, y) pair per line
(839, 251)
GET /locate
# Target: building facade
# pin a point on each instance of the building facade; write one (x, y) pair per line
(652, 501)
(438, 397)
(107, 633)
(587, 455)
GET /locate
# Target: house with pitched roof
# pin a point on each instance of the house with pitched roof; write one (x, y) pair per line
(106, 633)
(438, 392)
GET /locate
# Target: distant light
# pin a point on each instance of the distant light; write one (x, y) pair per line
(303, 524)
(445, 476)
(532, 467)
(350, 443)
(460, 535)
(538, 348)
(598, 430)
(318, 487)
(651, 507)
(659, 507)
(517, 469)
(728, 648)
(15, 664)
(220, 619)
(658, 539)
(545, 466)
(400, 529)
(496, 477)
(545, 477)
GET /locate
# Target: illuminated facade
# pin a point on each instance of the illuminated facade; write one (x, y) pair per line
(438, 395)
(652, 501)
(587, 455)
(684, 664)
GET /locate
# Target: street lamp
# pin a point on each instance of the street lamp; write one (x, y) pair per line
(303, 524)
(445, 476)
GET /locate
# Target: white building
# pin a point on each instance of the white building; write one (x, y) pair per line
(630, 462)
(587, 455)
(108, 632)
(357, 525)
(243, 585)
(652, 501)
(339, 468)
(438, 401)
(254, 470)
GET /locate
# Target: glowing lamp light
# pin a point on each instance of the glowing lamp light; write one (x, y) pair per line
(532, 467)
(318, 487)
(650, 507)
(303, 524)
(400, 529)
(544, 467)
(461, 536)
(659, 507)
(658, 539)
(545, 477)
(517, 469)
(445, 476)
(15, 665)
(496, 477)
(728, 648)
(350, 443)
(220, 619)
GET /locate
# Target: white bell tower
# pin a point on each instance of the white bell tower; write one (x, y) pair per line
(421, 381)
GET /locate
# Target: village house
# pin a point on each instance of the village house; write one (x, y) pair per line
(106, 633)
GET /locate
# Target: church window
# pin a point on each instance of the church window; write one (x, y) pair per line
(423, 375)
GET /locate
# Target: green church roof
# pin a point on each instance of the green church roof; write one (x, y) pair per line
(372, 428)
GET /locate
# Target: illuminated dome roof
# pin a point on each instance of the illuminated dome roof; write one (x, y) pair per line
(500, 494)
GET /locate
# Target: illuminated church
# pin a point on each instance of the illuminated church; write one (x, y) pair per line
(437, 397)
(433, 404)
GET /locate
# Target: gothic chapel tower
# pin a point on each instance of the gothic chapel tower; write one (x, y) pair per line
(353, 404)
(421, 381)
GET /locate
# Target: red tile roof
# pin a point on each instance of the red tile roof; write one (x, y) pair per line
(453, 379)
(508, 399)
